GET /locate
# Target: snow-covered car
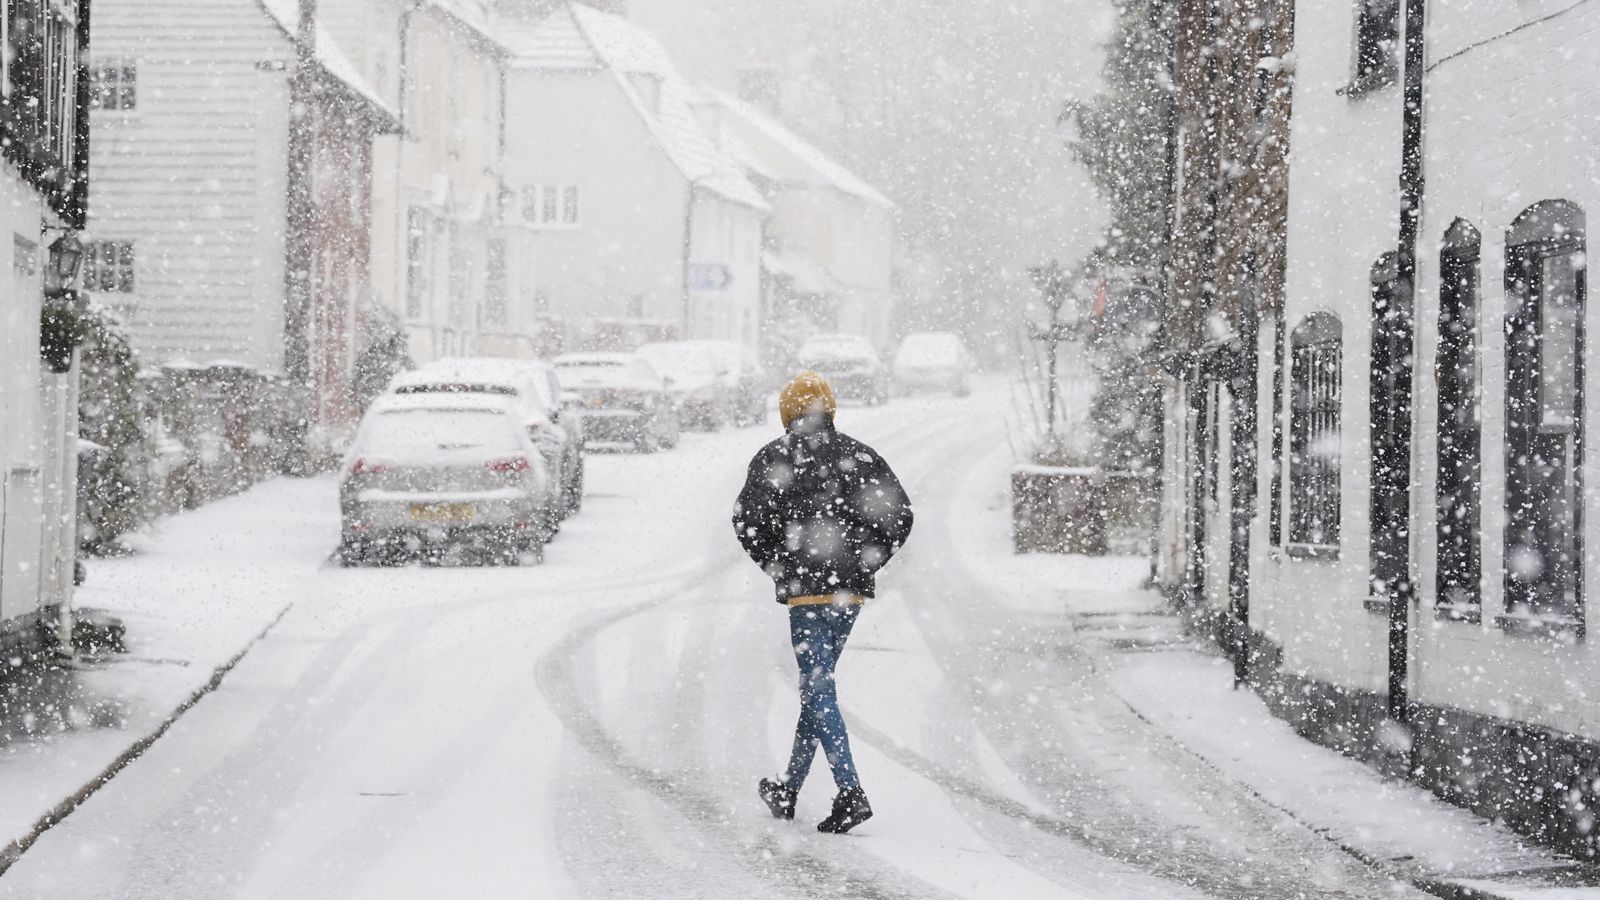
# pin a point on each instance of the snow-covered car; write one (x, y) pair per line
(850, 363)
(694, 375)
(747, 388)
(536, 390)
(430, 471)
(933, 360)
(622, 399)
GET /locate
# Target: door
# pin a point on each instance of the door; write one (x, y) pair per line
(1544, 417)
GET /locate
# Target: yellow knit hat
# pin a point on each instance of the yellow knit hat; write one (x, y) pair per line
(807, 393)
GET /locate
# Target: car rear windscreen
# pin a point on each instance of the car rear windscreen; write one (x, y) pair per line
(443, 433)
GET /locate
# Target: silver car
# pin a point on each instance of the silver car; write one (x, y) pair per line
(428, 473)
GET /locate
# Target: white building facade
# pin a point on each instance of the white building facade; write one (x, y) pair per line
(42, 195)
(440, 257)
(1419, 556)
(193, 231)
(626, 220)
(830, 240)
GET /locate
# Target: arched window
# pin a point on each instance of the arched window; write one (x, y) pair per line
(1314, 438)
(1459, 485)
(1545, 296)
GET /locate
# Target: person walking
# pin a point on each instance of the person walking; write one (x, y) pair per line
(821, 513)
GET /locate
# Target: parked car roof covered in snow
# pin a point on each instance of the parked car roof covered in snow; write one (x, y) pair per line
(480, 375)
(581, 370)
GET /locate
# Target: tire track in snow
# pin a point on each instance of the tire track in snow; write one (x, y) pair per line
(1091, 792)
(799, 873)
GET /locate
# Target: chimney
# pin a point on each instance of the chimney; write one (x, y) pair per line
(758, 86)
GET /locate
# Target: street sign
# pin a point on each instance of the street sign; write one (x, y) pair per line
(709, 277)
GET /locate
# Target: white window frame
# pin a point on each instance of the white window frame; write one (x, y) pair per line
(124, 86)
(119, 269)
(546, 206)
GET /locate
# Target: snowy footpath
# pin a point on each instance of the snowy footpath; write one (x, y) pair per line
(1033, 727)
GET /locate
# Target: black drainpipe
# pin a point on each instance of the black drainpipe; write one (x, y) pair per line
(1411, 195)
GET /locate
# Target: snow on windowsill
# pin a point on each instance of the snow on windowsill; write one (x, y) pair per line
(1312, 551)
(1563, 628)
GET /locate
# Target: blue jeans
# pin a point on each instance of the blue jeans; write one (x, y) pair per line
(818, 634)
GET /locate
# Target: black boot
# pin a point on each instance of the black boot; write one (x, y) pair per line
(779, 798)
(850, 809)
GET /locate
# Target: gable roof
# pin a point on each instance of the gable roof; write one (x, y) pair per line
(334, 63)
(823, 168)
(579, 38)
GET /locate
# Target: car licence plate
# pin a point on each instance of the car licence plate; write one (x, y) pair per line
(442, 512)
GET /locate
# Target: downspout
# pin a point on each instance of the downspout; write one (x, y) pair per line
(688, 241)
(1208, 296)
(1411, 196)
(1161, 21)
(78, 202)
(298, 252)
(402, 210)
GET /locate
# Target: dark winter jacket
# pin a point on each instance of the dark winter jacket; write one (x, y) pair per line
(821, 512)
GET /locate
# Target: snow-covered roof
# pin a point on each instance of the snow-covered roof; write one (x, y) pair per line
(824, 169)
(581, 38)
(330, 56)
(442, 401)
(594, 359)
(474, 14)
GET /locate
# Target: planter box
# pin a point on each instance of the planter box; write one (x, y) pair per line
(1059, 509)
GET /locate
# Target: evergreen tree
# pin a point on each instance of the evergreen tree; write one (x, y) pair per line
(1125, 135)
(110, 413)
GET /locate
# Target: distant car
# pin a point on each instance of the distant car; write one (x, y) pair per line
(429, 471)
(537, 392)
(747, 388)
(622, 399)
(933, 360)
(850, 363)
(694, 377)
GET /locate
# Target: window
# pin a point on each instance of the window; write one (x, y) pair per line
(1459, 492)
(1545, 295)
(416, 260)
(39, 78)
(1314, 436)
(108, 267)
(1393, 329)
(550, 205)
(494, 294)
(569, 206)
(114, 84)
(1377, 41)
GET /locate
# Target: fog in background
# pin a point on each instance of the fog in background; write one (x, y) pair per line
(953, 110)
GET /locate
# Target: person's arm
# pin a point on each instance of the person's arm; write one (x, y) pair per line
(755, 515)
(885, 512)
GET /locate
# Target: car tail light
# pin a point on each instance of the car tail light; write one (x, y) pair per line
(511, 464)
(365, 467)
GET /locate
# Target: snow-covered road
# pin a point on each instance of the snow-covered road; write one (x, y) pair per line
(594, 727)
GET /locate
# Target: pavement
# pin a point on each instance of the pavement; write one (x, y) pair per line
(1027, 726)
